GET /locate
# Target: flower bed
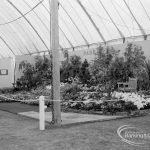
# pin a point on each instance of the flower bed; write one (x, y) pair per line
(140, 101)
(86, 99)
(121, 102)
(4, 99)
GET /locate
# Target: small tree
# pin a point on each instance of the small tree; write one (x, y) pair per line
(43, 70)
(135, 62)
(148, 73)
(34, 75)
(27, 80)
(108, 68)
(65, 71)
(70, 68)
(84, 74)
(102, 63)
(75, 65)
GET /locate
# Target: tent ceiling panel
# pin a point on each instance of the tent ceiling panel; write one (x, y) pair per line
(25, 24)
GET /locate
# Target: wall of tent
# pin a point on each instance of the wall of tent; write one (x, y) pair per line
(25, 24)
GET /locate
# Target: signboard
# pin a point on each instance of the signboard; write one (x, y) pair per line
(3, 71)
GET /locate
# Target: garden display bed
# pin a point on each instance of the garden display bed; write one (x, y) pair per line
(82, 99)
(116, 106)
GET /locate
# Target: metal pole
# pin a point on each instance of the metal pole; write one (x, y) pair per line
(56, 113)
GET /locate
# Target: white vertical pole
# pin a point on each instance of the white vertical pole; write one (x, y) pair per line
(42, 108)
(55, 63)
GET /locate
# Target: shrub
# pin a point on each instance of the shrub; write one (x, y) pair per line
(34, 75)
(118, 106)
(108, 67)
(26, 81)
(101, 68)
(4, 99)
(70, 92)
(70, 68)
(6, 90)
(75, 68)
(43, 73)
(129, 106)
(84, 73)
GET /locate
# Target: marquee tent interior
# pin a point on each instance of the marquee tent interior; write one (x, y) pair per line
(25, 24)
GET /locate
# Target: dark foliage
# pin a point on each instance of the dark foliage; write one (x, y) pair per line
(84, 74)
(34, 75)
(75, 68)
(109, 68)
(70, 92)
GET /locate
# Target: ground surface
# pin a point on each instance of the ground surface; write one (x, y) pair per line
(17, 107)
(67, 117)
(21, 133)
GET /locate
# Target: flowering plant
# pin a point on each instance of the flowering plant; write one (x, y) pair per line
(138, 100)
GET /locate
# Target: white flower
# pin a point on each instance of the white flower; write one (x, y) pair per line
(87, 101)
(147, 101)
(73, 104)
(62, 84)
(48, 87)
(138, 104)
(98, 102)
(105, 94)
(138, 100)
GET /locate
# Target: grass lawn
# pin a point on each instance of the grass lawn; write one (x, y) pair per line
(21, 133)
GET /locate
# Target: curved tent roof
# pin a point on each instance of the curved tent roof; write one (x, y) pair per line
(25, 24)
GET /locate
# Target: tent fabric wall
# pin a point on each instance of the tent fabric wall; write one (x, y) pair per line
(8, 79)
(25, 24)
